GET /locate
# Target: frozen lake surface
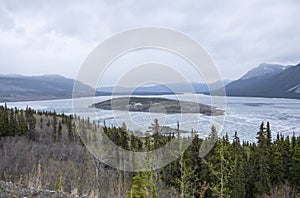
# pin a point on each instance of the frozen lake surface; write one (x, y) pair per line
(243, 114)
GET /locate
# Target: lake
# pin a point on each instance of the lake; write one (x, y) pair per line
(243, 114)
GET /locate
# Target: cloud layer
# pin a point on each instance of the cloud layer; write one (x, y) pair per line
(39, 37)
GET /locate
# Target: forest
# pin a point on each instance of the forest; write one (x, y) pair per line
(44, 150)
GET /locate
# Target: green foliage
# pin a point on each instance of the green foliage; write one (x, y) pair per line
(15, 122)
(238, 170)
(54, 125)
(230, 169)
(295, 166)
(262, 159)
(140, 186)
(59, 185)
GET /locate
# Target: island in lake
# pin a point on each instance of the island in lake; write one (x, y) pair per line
(157, 105)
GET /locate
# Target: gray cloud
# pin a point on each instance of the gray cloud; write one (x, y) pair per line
(56, 36)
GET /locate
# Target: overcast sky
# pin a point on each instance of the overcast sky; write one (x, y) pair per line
(41, 37)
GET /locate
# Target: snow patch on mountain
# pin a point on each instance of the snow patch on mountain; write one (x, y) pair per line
(264, 69)
(295, 89)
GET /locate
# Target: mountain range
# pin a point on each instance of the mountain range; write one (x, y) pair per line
(267, 80)
(160, 89)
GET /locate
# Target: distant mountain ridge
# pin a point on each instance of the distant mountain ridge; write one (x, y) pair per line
(267, 80)
(15, 87)
(160, 89)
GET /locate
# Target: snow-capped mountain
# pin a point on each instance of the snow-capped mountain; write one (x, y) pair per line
(267, 80)
(264, 70)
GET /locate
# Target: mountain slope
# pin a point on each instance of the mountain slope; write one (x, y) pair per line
(285, 84)
(21, 88)
(264, 70)
(278, 83)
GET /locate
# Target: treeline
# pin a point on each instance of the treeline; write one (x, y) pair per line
(19, 122)
(46, 151)
(16, 122)
(268, 168)
(41, 149)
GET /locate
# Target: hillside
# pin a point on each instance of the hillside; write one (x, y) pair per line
(273, 81)
(24, 88)
(43, 150)
(15, 87)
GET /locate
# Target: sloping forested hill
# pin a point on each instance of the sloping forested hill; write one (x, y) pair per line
(43, 150)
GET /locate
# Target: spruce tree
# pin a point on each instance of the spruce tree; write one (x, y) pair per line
(237, 179)
(295, 167)
(263, 168)
(54, 124)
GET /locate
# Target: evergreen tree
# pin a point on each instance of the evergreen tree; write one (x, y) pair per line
(140, 187)
(54, 124)
(237, 179)
(262, 165)
(59, 130)
(277, 170)
(295, 167)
